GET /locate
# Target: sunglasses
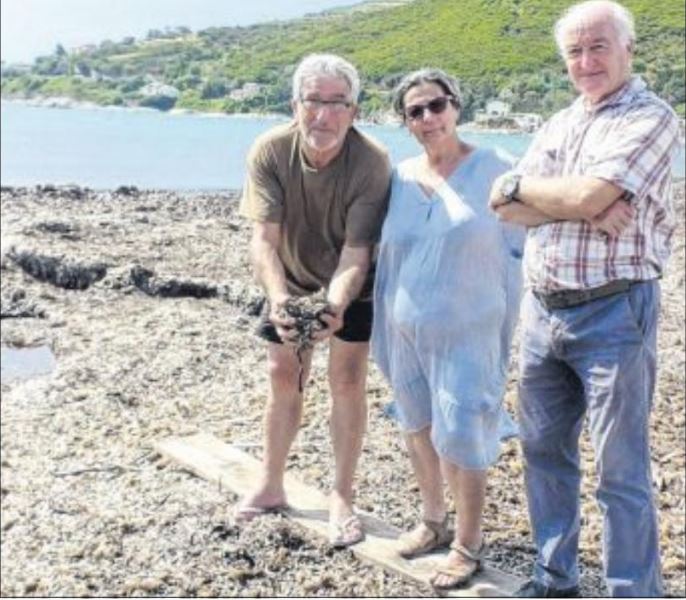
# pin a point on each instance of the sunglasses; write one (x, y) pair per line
(435, 106)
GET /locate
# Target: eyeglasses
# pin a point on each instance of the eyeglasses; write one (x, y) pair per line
(314, 104)
(435, 106)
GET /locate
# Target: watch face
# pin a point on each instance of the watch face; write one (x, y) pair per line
(509, 186)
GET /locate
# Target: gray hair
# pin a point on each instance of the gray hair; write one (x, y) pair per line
(331, 65)
(620, 17)
(447, 83)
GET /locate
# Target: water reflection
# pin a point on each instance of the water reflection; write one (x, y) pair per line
(24, 363)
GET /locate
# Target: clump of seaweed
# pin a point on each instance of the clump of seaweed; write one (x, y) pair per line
(306, 312)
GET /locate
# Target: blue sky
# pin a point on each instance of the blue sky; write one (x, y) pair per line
(34, 27)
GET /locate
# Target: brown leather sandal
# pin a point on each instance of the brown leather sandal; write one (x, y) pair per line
(459, 574)
(424, 538)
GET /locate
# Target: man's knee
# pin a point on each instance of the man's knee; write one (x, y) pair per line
(534, 437)
(549, 451)
(348, 374)
(285, 371)
(536, 447)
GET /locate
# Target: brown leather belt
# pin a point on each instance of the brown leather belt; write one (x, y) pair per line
(569, 298)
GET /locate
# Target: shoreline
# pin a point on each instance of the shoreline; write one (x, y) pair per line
(158, 342)
(66, 103)
(387, 119)
(128, 189)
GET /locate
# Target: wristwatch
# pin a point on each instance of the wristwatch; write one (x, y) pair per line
(509, 186)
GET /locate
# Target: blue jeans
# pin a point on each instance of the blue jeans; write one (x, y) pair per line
(599, 359)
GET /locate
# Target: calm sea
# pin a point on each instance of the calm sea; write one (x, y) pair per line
(105, 148)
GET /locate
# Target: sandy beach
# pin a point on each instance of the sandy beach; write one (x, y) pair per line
(147, 302)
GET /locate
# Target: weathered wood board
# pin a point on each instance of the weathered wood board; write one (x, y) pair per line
(237, 471)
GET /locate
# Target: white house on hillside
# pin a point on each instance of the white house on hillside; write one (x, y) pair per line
(499, 114)
(527, 121)
(497, 108)
(249, 90)
(157, 88)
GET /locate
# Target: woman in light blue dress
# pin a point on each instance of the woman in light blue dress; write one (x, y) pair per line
(446, 301)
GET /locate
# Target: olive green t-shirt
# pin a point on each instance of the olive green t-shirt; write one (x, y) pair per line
(320, 210)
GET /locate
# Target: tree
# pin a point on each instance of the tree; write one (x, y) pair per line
(159, 101)
(132, 85)
(213, 88)
(82, 68)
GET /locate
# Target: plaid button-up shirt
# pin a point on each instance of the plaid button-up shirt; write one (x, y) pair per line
(628, 139)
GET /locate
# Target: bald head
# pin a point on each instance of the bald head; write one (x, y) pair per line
(579, 17)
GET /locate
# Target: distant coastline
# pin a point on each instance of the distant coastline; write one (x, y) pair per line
(66, 103)
(387, 119)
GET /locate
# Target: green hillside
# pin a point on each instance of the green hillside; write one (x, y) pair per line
(497, 48)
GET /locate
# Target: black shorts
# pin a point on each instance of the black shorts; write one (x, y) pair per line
(357, 323)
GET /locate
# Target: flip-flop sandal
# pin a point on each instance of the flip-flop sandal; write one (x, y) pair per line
(245, 514)
(459, 575)
(346, 532)
(415, 543)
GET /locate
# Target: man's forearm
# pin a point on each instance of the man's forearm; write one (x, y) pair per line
(568, 198)
(345, 286)
(521, 214)
(269, 270)
(349, 277)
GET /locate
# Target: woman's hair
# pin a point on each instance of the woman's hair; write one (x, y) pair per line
(447, 83)
(331, 65)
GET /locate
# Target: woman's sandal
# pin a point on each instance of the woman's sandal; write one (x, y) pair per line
(459, 574)
(426, 537)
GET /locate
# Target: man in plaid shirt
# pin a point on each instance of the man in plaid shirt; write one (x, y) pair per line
(594, 189)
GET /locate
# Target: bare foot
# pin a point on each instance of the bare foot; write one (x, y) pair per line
(260, 503)
(339, 508)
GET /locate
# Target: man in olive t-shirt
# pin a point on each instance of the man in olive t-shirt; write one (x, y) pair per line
(316, 191)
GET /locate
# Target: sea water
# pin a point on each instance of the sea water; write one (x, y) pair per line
(108, 147)
(24, 363)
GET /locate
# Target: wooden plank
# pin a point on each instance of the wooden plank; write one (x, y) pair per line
(236, 471)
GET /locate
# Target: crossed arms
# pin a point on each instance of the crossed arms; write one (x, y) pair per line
(570, 198)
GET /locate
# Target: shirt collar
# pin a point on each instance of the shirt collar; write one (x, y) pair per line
(624, 95)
